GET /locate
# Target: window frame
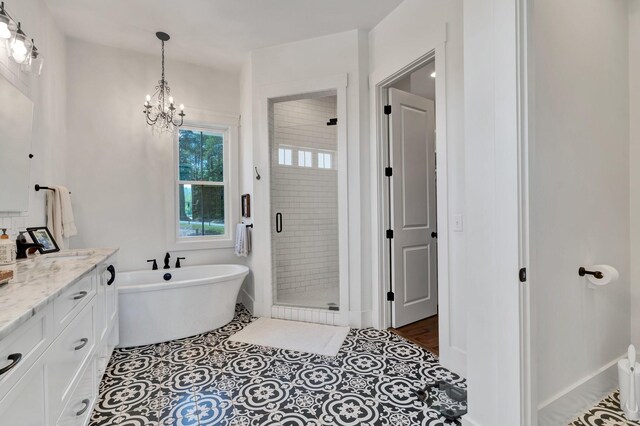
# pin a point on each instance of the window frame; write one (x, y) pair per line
(229, 129)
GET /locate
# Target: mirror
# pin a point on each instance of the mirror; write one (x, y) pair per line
(16, 116)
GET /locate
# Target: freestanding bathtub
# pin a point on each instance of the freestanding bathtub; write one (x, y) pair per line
(166, 304)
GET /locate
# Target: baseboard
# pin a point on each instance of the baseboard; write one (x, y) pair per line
(579, 397)
(246, 300)
(468, 421)
(360, 319)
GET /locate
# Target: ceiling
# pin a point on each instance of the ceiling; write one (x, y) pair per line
(218, 33)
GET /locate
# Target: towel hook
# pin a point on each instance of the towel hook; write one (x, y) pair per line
(257, 174)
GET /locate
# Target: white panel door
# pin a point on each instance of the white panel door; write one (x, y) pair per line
(413, 198)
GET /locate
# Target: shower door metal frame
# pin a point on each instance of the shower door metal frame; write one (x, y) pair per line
(263, 268)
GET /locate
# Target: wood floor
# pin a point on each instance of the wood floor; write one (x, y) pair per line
(423, 333)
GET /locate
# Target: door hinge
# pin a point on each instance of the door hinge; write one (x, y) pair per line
(387, 109)
(390, 233)
(391, 296)
(388, 171)
(522, 275)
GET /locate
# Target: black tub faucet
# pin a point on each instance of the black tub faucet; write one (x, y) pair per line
(166, 261)
(155, 264)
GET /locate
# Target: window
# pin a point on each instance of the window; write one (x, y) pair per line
(284, 156)
(324, 160)
(304, 158)
(201, 184)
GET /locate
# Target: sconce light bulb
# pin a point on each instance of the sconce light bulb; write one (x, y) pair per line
(181, 107)
(171, 100)
(5, 33)
(148, 98)
(19, 58)
(433, 74)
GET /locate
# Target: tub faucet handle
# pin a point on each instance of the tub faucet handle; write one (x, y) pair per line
(178, 261)
(155, 264)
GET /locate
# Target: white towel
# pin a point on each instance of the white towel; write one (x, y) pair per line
(243, 241)
(60, 220)
(68, 220)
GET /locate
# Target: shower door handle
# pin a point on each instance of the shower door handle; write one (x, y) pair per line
(278, 222)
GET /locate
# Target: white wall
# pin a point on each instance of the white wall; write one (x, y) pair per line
(409, 32)
(579, 193)
(492, 169)
(343, 53)
(117, 170)
(634, 160)
(247, 174)
(48, 93)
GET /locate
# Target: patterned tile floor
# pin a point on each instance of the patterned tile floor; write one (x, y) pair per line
(606, 413)
(208, 380)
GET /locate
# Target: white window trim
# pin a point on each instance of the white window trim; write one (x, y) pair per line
(229, 127)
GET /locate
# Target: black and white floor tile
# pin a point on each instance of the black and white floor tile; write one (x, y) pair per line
(208, 380)
(606, 413)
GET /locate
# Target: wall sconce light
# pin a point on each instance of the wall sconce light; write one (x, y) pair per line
(7, 25)
(34, 62)
(21, 48)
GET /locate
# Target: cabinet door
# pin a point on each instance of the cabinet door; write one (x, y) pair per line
(67, 356)
(101, 304)
(25, 404)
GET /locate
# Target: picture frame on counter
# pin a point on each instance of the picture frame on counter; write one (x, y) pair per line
(42, 235)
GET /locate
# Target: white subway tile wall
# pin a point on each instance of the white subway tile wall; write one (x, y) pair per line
(305, 261)
(13, 224)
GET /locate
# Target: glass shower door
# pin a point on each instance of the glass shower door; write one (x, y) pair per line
(304, 203)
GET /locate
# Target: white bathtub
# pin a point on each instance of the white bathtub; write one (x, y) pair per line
(194, 300)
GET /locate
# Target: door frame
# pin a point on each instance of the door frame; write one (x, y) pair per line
(381, 255)
(295, 90)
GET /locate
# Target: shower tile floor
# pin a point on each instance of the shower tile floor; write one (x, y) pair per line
(606, 413)
(208, 380)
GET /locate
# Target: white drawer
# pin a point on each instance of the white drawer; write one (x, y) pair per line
(25, 405)
(21, 348)
(68, 304)
(80, 404)
(69, 355)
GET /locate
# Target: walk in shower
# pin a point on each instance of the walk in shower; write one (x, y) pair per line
(304, 202)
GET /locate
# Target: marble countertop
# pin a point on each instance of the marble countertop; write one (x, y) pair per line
(41, 279)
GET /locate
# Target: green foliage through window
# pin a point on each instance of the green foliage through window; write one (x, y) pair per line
(201, 204)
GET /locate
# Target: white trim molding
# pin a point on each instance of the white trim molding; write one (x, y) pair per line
(229, 126)
(450, 356)
(580, 396)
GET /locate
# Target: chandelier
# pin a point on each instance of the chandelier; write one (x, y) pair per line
(159, 109)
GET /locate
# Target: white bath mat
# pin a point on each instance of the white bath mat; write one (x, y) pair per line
(293, 335)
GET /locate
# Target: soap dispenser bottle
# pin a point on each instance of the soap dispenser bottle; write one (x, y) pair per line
(7, 254)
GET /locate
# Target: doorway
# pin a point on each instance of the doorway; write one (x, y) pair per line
(411, 205)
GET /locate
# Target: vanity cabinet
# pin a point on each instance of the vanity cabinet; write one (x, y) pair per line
(64, 350)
